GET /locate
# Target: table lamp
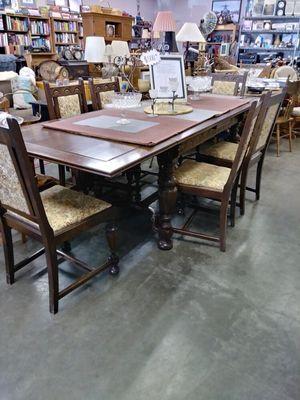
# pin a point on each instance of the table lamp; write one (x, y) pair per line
(190, 32)
(95, 50)
(165, 22)
(120, 48)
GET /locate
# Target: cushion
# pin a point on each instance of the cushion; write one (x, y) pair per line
(203, 175)
(223, 87)
(296, 112)
(65, 207)
(69, 106)
(221, 150)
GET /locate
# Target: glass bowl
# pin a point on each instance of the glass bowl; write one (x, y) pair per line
(126, 100)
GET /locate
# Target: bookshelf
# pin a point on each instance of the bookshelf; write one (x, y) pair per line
(42, 36)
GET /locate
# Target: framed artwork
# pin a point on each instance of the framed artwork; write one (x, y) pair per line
(227, 11)
(269, 7)
(110, 30)
(28, 3)
(74, 5)
(170, 67)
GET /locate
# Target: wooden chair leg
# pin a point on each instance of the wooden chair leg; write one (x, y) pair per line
(111, 237)
(278, 140)
(290, 136)
(42, 167)
(258, 178)
(62, 175)
(233, 202)
(52, 267)
(8, 252)
(243, 185)
(223, 224)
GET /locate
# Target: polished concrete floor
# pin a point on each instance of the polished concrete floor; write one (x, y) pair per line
(189, 324)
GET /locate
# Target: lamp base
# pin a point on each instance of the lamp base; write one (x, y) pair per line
(170, 40)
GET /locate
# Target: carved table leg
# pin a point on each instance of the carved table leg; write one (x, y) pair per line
(167, 198)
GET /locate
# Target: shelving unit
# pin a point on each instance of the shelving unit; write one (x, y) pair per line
(227, 33)
(96, 24)
(279, 31)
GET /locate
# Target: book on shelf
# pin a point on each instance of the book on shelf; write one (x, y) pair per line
(16, 39)
(66, 38)
(39, 42)
(16, 24)
(3, 40)
(68, 26)
(39, 27)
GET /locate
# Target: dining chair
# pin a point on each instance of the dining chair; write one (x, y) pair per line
(52, 217)
(100, 89)
(67, 100)
(284, 126)
(64, 102)
(223, 153)
(229, 84)
(215, 182)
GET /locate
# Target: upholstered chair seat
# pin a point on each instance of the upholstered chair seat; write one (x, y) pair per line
(65, 207)
(198, 174)
(221, 150)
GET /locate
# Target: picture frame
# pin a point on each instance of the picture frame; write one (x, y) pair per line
(227, 11)
(170, 66)
(74, 5)
(27, 3)
(110, 30)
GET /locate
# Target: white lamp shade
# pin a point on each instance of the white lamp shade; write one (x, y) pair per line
(120, 48)
(190, 33)
(164, 22)
(95, 49)
(146, 34)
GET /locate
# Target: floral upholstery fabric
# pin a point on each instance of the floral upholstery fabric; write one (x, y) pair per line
(11, 192)
(222, 150)
(203, 175)
(267, 125)
(106, 97)
(69, 106)
(223, 87)
(65, 207)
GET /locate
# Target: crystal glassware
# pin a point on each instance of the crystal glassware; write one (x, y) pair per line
(124, 101)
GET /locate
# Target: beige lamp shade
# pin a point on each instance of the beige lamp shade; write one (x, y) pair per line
(164, 22)
(95, 49)
(190, 32)
(120, 48)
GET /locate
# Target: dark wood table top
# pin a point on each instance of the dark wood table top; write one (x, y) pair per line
(104, 157)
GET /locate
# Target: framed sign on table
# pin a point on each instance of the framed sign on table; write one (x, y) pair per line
(164, 73)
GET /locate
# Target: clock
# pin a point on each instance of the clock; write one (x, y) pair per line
(77, 55)
(50, 71)
(280, 8)
(68, 55)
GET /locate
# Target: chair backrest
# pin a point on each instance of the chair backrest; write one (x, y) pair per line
(18, 189)
(229, 84)
(247, 131)
(97, 89)
(66, 101)
(266, 130)
(286, 72)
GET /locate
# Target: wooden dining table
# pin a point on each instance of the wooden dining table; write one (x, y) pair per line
(110, 159)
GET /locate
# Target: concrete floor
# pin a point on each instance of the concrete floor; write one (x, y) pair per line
(189, 324)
